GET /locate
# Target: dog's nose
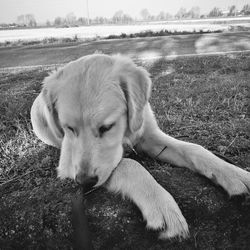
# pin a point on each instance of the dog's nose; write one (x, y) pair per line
(86, 181)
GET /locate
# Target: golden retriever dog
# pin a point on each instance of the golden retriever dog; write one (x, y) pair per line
(95, 105)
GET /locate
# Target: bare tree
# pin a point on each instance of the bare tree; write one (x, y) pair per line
(70, 19)
(127, 19)
(232, 10)
(21, 20)
(82, 21)
(246, 9)
(27, 20)
(48, 24)
(117, 18)
(58, 21)
(182, 13)
(121, 17)
(215, 12)
(30, 20)
(163, 16)
(194, 12)
(145, 14)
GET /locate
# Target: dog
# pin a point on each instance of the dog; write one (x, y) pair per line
(95, 105)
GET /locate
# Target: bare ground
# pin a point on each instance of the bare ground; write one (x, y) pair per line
(203, 100)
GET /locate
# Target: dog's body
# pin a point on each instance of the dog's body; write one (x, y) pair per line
(95, 105)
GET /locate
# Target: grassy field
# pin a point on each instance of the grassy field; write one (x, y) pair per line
(199, 99)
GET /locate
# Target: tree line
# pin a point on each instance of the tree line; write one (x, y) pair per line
(120, 17)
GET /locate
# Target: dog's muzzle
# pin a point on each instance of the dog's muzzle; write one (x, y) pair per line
(87, 182)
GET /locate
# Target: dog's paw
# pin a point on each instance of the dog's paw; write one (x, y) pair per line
(162, 213)
(238, 182)
(234, 180)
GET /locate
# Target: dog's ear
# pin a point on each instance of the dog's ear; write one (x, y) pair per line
(136, 85)
(50, 97)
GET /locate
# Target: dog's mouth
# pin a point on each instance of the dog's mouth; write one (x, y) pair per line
(86, 188)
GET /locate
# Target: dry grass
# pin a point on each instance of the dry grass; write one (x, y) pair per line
(213, 101)
(202, 99)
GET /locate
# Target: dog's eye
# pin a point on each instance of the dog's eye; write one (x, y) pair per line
(105, 128)
(71, 129)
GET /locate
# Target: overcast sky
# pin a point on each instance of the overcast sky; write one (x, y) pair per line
(49, 9)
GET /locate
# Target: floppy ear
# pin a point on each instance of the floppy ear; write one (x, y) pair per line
(50, 98)
(136, 85)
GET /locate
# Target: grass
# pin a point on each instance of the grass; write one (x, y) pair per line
(199, 99)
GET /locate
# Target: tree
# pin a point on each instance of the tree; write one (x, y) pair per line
(161, 16)
(127, 18)
(246, 9)
(27, 20)
(70, 19)
(215, 12)
(121, 17)
(168, 16)
(117, 18)
(21, 20)
(100, 20)
(48, 24)
(194, 12)
(58, 21)
(232, 10)
(145, 14)
(82, 21)
(30, 20)
(182, 13)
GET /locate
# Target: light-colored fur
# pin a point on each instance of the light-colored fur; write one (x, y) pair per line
(101, 90)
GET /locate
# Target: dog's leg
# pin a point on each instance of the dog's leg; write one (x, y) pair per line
(158, 207)
(183, 154)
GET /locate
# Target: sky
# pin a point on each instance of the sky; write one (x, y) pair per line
(49, 9)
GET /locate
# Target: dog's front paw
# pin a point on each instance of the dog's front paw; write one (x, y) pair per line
(162, 213)
(158, 207)
(235, 182)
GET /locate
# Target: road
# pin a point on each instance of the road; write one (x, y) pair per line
(141, 48)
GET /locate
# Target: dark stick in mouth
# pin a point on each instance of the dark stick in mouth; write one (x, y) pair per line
(82, 236)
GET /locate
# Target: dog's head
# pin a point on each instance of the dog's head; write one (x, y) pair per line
(94, 104)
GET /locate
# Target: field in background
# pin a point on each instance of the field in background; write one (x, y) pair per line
(137, 48)
(199, 99)
(87, 32)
